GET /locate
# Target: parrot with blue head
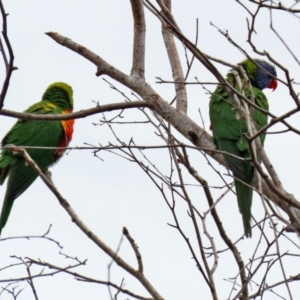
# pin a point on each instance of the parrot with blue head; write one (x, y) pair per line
(229, 129)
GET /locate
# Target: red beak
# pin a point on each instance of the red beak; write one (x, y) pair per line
(273, 85)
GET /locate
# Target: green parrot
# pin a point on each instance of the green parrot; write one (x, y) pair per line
(57, 99)
(229, 130)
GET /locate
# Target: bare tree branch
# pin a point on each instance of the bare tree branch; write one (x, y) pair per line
(138, 53)
(9, 63)
(181, 96)
(74, 217)
(135, 249)
(75, 115)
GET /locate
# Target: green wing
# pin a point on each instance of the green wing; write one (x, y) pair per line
(229, 136)
(228, 131)
(27, 133)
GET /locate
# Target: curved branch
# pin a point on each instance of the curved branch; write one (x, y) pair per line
(76, 115)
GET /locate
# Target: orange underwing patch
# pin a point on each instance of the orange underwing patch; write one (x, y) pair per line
(68, 132)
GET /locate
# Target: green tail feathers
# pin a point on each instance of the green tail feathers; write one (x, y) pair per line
(244, 197)
(7, 206)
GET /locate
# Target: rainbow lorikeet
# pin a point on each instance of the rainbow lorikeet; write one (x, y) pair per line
(229, 130)
(57, 99)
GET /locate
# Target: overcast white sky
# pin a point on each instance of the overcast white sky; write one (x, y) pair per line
(114, 193)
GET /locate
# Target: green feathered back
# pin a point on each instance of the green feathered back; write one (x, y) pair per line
(56, 100)
(229, 135)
